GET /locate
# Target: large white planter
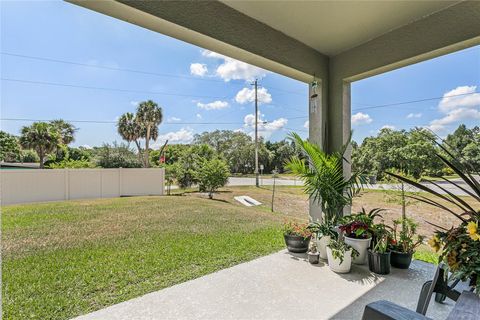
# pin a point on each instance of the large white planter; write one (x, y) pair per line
(322, 246)
(335, 264)
(361, 245)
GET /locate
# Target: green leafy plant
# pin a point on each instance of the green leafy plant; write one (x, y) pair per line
(292, 228)
(322, 175)
(460, 245)
(213, 174)
(323, 229)
(406, 239)
(339, 248)
(381, 238)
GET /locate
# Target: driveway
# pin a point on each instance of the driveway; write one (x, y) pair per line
(238, 181)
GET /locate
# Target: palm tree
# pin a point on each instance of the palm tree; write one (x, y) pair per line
(65, 129)
(149, 115)
(41, 137)
(130, 130)
(322, 174)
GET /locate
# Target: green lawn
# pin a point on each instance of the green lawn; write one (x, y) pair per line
(69, 258)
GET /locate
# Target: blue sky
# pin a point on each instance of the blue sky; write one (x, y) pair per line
(197, 89)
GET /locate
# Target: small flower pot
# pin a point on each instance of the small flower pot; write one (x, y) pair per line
(296, 244)
(361, 245)
(340, 266)
(313, 258)
(322, 246)
(379, 262)
(401, 260)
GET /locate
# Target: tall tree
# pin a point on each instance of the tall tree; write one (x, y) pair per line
(149, 115)
(9, 148)
(41, 137)
(65, 129)
(131, 130)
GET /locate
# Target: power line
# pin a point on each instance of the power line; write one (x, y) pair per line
(168, 75)
(109, 89)
(411, 101)
(113, 122)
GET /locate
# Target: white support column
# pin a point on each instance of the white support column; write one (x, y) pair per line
(316, 131)
(347, 129)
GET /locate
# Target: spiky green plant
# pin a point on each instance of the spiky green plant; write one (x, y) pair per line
(322, 175)
(459, 246)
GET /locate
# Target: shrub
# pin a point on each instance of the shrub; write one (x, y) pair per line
(71, 164)
(28, 156)
(213, 174)
(117, 156)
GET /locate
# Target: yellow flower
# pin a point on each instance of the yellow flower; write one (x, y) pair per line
(472, 229)
(434, 242)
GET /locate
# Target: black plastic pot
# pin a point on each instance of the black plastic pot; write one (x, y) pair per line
(379, 262)
(296, 244)
(400, 260)
(313, 258)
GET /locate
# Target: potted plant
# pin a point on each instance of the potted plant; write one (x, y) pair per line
(459, 245)
(313, 254)
(324, 182)
(340, 256)
(379, 256)
(297, 236)
(324, 232)
(404, 243)
(357, 230)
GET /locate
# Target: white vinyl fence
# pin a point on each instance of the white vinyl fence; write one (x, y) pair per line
(34, 185)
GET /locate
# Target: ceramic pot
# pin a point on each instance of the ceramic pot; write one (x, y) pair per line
(361, 245)
(296, 244)
(336, 265)
(322, 246)
(313, 258)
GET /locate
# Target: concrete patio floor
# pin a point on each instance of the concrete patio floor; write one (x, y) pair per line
(279, 286)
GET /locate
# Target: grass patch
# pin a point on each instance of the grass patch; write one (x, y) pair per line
(64, 259)
(425, 253)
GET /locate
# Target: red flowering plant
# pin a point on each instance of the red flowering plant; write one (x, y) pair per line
(291, 228)
(356, 230)
(361, 224)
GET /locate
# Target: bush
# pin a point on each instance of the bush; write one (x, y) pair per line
(28, 156)
(117, 156)
(71, 164)
(213, 174)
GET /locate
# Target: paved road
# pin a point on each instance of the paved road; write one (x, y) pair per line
(236, 181)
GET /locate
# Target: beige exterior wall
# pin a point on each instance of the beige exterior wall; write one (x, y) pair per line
(23, 186)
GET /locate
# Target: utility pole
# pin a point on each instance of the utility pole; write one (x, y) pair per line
(256, 136)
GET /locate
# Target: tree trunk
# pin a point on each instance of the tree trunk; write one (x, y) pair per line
(140, 156)
(147, 143)
(42, 157)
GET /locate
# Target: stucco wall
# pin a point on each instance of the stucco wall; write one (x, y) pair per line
(23, 186)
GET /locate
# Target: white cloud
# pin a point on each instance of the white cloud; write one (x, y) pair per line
(184, 135)
(173, 119)
(199, 116)
(232, 69)
(265, 128)
(387, 126)
(198, 69)
(215, 105)
(86, 146)
(460, 97)
(459, 104)
(306, 125)
(361, 118)
(248, 95)
(414, 115)
(134, 103)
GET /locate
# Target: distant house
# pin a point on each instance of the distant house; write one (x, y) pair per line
(19, 165)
